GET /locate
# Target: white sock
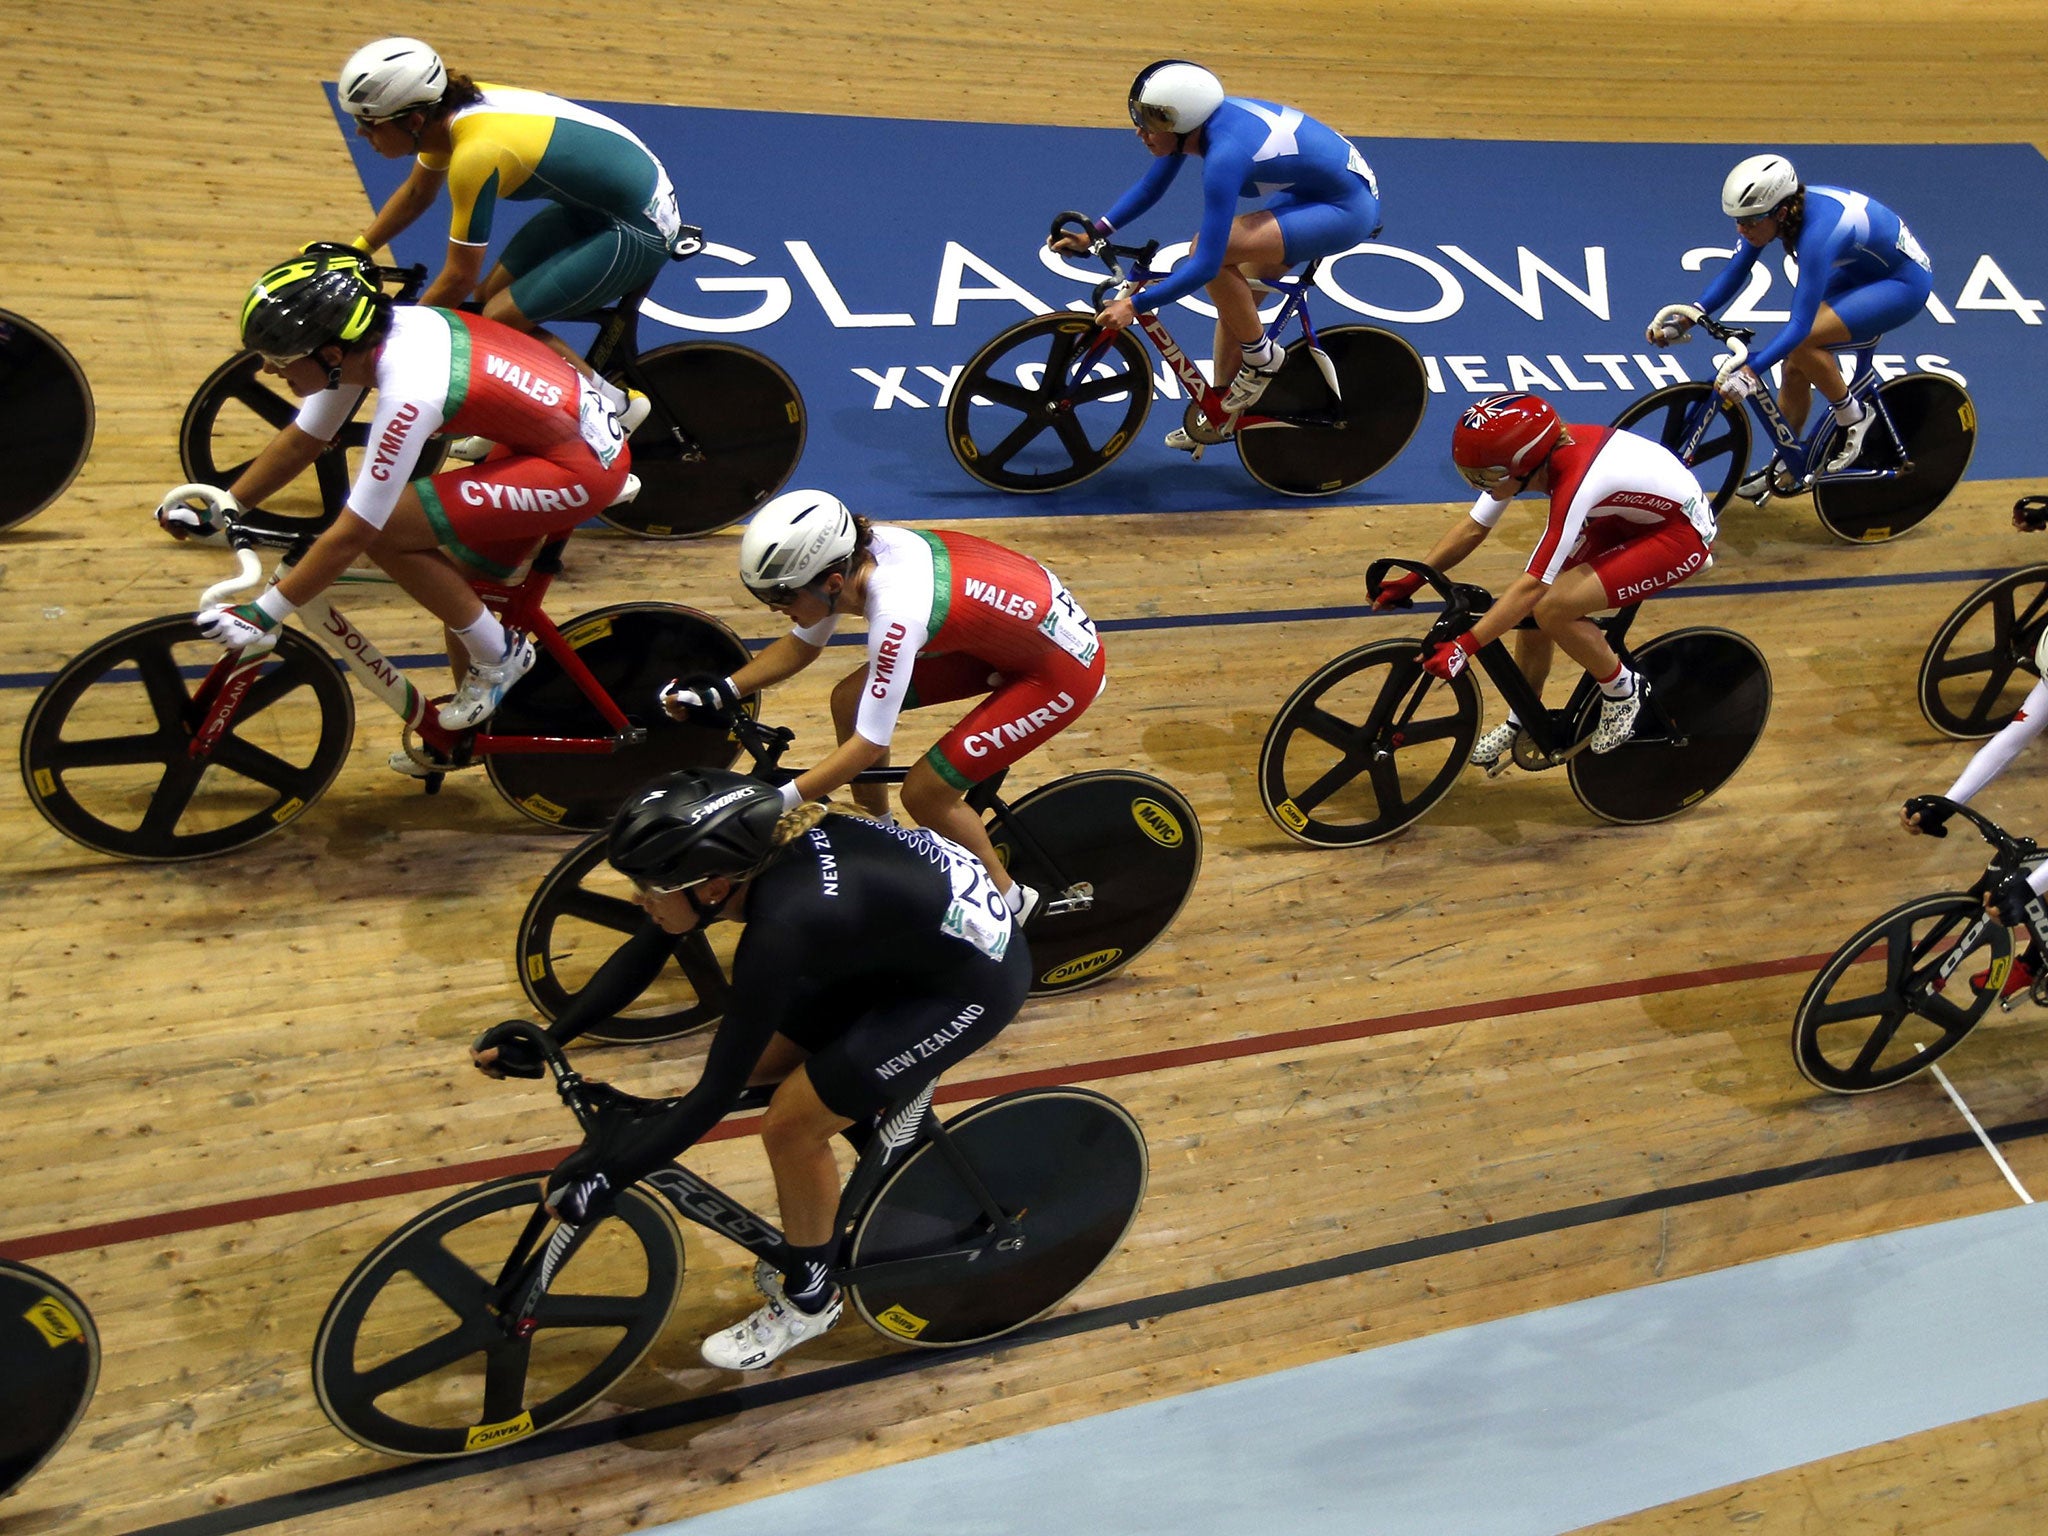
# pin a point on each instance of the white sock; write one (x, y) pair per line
(1848, 410)
(1619, 686)
(484, 640)
(1260, 354)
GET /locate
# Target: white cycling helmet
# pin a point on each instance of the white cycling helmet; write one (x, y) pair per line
(1757, 186)
(391, 77)
(796, 539)
(1175, 95)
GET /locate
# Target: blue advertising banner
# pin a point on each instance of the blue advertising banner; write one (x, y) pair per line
(873, 257)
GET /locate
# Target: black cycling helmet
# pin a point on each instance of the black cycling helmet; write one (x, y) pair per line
(323, 295)
(696, 825)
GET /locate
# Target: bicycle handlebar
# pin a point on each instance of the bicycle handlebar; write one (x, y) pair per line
(1376, 575)
(250, 575)
(2009, 848)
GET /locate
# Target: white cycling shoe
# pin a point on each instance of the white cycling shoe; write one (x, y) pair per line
(1250, 384)
(770, 1332)
(636, 410)
(483, 690)
(1492, 751)
(1851, 447)
(1618, 718)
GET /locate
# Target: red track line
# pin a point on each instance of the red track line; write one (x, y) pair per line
(322, 1197)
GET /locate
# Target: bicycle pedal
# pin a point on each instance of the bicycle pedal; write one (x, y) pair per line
(1078, 897)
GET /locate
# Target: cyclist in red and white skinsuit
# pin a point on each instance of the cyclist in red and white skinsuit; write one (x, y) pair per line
(1626, 519)
(327, 330)
(949, 616)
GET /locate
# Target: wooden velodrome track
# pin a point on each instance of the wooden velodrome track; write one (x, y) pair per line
(293, 1019)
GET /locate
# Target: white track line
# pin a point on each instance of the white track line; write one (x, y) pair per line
(1997, 1157)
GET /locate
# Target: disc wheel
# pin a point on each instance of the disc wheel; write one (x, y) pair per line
(1018, 420)
(1318, 443)
(1070, 1164)
(414, 1359)
(632, 649)
(1936, 423)
(1901, 994)
(1714, 689)
(49, 1368)
(1130, 839)
(46, 420)
(579, 917)
(1980, 665)
(106, 752)
(724, 431)
(237, 411)
(1666, 416)
(1366, 746)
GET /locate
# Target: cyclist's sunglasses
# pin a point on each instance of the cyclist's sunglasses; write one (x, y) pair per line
(1484, 477)
(281, 363)
(666, 890)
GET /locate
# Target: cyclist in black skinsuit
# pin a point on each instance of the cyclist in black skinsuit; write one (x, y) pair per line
(875, 957)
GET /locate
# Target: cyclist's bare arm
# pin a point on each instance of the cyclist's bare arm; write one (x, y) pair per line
(458, 277)
(1459, 540)
(852, 756)
(782, 659)
(414, 197)
(283, 459)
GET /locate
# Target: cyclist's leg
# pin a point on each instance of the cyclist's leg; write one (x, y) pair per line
(1256, 242)
(566, 262)
(1811, 365)
(1608, 576)
(1306, 230)
(1022, 713)
(488, 518)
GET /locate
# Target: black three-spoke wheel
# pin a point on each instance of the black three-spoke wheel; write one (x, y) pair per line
(112, 756)
(1901, 994)
(1019, 419)
(1366, 746)
(415, 1356)
(1982, 662)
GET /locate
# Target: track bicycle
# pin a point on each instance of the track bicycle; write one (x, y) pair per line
(1944, 962)
(724, 430)
(1370, 742)
(49, 1366)
(1984, 659)
(484, 1320)
(1114, 853)
(1053, 399)
(1912, 458)
(121, 754)
(46, 419)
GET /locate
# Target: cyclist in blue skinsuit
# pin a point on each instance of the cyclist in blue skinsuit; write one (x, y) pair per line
(1861, 273)
(1325, 199)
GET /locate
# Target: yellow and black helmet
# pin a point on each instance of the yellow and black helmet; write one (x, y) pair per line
(325, 294)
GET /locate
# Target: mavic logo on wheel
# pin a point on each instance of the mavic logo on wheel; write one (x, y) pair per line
(1290, 815)
(53, 1320)
(1080, 968)
(483, 1435)
(1157, 823)
(904, 1324)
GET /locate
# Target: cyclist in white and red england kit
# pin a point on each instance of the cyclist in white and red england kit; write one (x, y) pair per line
(949, 616)
(1626, 519)
(323, 325)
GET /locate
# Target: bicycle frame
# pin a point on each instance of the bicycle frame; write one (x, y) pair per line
(1801, 456)
(1123, 283)
(220, 695)
(528, 1270)
(1545, 727)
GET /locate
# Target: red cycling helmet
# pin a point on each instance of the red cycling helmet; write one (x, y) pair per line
(1504, 437)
